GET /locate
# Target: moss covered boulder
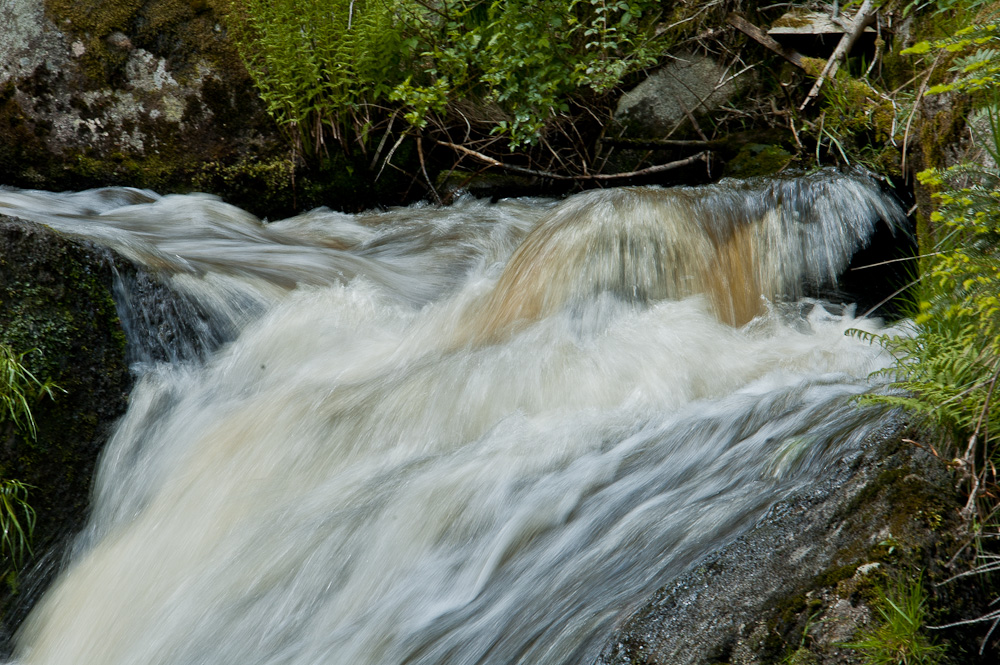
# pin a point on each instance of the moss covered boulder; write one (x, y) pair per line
(56, 305)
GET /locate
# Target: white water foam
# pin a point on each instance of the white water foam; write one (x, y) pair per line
(349, 481)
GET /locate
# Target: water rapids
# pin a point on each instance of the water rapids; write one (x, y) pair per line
(478, 434)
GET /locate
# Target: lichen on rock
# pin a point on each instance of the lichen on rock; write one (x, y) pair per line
(145, 94)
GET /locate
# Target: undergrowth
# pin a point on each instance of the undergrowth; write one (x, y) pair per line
(19, 389)
(899, 637)
(346, 69)
(947, 370)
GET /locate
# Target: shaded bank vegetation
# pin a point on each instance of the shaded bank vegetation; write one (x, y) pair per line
(451, 90)
(430, 98)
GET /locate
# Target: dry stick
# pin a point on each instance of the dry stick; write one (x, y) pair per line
(764, 39)
(879, 43)
(597, 176)
(666, 143)
(388, 158)
(423, 168)
(969, 458)
(381, 144)
(913, 111)
(861, 20)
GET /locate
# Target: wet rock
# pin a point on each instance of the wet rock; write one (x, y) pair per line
(807, 579)
(58, 303)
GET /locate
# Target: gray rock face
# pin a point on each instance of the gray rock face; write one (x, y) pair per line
(690, 85)
(144, 94)
(806, 579)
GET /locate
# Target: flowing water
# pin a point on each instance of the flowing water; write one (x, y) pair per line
(463, 435)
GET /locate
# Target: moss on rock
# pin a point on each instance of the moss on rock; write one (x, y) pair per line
(56, 304)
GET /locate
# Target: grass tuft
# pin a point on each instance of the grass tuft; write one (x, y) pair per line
(899, 638)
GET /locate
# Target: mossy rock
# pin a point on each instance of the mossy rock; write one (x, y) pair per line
(756, 159)
(56, 305)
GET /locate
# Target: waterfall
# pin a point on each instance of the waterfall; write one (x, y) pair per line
(470, 434)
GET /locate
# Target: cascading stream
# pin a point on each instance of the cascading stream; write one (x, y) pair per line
(475, 434)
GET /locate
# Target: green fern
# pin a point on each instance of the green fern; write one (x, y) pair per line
(317, 62)
(979, 66)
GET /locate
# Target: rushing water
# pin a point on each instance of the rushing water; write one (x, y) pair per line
(463, 435)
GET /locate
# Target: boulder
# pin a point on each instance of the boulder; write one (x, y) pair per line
(148, 94)
(56, 304)
(689, 86)
(808, 579)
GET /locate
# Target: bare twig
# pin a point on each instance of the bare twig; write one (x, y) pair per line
(659, 168)
(861, 20)
(764, 39)
(381, 143)
(423, 169)
(388, 158)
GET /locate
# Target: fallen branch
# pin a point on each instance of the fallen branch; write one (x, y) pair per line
(423, 168)
(764, 39)
(861, 20)
(659, 168)
(713, 144)
(734, 141)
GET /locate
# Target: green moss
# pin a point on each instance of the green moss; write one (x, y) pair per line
(942, 130)
(813, 66)
(55, 300)
(796, 18)
(756, 159)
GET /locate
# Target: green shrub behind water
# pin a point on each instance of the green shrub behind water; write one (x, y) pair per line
(336, 68)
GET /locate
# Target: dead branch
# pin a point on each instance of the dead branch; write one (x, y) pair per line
(764, 39)
(659, 168)
(861, 20)
(423, 168)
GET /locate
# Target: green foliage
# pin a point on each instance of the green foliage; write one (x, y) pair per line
(898, 638)
(18, 388)
(529, 57)
(936, 7)
(977, 61)
(319, 63)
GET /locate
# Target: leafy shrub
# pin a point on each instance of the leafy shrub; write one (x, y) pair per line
(323, 65)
